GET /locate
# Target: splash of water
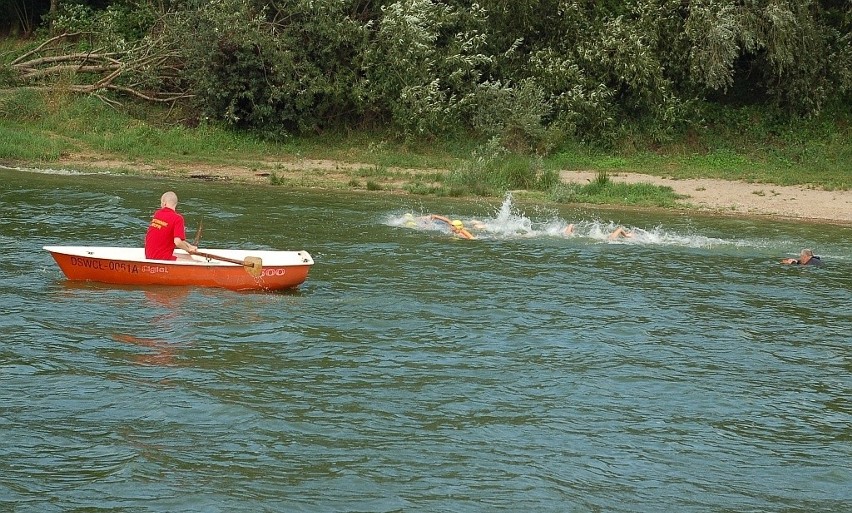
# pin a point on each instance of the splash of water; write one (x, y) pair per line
(49, 171)
(508, 222)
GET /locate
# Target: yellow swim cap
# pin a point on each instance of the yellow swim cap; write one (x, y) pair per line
(458, 224)
(408, 215)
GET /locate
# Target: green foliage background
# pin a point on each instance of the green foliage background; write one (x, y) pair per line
(534, 74)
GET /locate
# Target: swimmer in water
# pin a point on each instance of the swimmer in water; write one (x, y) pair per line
(455, 225)
(619, 233)
(409, 220)
(807, 257)
(458, 228)
(476, 224)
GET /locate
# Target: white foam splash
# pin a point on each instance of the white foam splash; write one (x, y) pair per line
(509, 223)
(49, 171)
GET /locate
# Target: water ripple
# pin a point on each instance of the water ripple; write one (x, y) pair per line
(681, 371)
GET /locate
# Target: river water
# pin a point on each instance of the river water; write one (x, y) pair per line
(681, 370)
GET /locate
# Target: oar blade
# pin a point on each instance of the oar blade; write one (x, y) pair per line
(253, 265)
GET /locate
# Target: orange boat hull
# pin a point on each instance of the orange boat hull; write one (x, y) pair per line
(198, 274)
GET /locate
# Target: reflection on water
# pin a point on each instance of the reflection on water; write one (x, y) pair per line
(681, 370)
(163, 352)
(164, 307)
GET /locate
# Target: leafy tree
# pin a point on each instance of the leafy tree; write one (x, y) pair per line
(270, 68)
(781, 46)
(526, 73)
(424, 64)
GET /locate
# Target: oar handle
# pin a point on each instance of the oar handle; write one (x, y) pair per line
(198, 232)
(252, 265)
(217, 257)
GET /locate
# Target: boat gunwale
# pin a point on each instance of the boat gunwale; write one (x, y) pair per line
(299, 257)
(203, 273)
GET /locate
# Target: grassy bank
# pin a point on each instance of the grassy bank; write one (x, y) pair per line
(45, 130)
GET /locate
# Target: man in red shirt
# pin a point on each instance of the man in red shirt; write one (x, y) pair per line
(166, 231)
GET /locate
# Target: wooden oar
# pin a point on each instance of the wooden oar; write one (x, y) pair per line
(253, 265)
(198, 232)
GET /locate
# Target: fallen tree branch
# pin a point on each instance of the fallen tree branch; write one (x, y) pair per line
(91, 89)
(58, 70)
(46, 43)
(171, 97)
(82, 57)
(57, 65)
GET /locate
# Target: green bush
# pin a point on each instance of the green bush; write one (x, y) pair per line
(423, 65)
(536, 75)
(118, 27)
(275, 78)
(492, 170)
(606, 192)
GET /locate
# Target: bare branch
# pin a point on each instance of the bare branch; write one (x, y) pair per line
(49, 41)
(83, 57)
(119, 72)
(58, 70)
(155, 98)
(107, 80)
(112, 103)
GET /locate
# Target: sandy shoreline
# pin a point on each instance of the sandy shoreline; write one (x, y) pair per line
(742, 198)
(722, 197)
